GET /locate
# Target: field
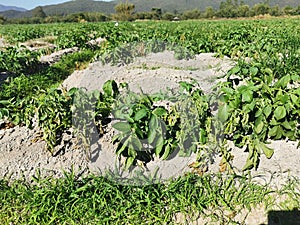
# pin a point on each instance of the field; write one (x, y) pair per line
(252, 104)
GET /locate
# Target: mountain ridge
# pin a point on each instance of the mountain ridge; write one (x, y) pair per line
(15, 8)
(78, 6)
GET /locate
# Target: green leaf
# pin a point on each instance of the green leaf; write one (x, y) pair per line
(166, 152)
(122, 126)
(273, 131)
(249, 163)
(287, 125)
(294, 98)
(282, 82)
(280, 112)
(202, 136)
(136, 143)
(223, 113)
(140, 114)
(267, 151)
(160, 111)
(186, 86)
(153, 124)
(235, 70)
(267, 111)
(247, 96)
(5, 102)
(253, 71)
(129, 162)
(159, 145)
(151, 136)
(259, 125)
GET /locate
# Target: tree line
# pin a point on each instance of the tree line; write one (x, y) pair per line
(126, 12)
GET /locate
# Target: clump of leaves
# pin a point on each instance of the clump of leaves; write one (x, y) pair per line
(18, 59)
(255, 106)
(149, 129)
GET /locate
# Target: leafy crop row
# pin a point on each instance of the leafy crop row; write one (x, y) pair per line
(258, 102)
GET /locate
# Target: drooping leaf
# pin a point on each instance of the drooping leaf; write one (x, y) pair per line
(110, 88)
(129, 162)
(136, 143)
(153, 124)
(159, 145)
(267, 151)
(166, 152)
(151, 136)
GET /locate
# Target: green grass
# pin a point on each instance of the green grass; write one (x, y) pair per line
(99, 200)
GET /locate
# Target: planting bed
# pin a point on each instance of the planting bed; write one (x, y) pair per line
(150, 97)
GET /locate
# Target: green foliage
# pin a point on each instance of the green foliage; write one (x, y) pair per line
(148, 129)
(94, 200)
(18, 60)
(258, 102)
(255, 107)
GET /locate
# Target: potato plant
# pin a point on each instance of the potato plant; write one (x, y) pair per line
(148, 129)
(256, 107)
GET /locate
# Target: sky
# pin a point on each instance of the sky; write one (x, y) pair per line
(30, 4)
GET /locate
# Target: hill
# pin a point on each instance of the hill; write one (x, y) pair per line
(6, 8)
(78, 6)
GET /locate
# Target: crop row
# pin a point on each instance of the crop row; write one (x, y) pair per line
(258, 102)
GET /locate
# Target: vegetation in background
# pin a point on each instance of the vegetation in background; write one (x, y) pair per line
(86, 11)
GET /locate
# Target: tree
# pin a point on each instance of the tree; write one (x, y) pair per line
(2, 20)
(124, 11)
(38, 12)
(209, 12)
(243, 10)
(261, 9)
(191, 14)
(157, 13)
(275, 11)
